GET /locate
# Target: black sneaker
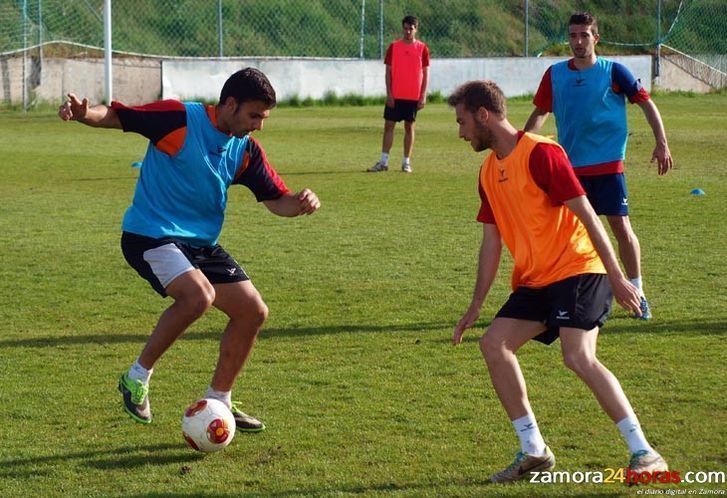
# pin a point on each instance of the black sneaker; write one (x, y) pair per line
(136, 399)
(245, 422)
(378, 167)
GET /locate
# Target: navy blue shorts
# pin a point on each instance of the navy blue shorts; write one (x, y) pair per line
(580, 302)
(607, 194)
(403, 110)
(160, 261)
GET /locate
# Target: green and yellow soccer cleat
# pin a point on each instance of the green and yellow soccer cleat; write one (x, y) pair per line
(136, 399)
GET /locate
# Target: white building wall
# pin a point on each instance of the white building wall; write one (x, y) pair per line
(303, 78)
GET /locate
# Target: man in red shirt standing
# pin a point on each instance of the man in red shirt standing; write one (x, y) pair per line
(407, 77)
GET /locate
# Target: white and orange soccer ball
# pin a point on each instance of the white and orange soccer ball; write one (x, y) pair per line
(208, 425)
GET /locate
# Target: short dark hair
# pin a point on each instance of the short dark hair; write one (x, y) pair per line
(410, 20)
(249, 84)
(480, 93)
(584, 19)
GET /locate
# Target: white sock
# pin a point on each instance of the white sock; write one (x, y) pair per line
(406, 161)
(224, 396)
(638, 284)
(634, 436)
(531, 441)
(137, 372)
(385, 157)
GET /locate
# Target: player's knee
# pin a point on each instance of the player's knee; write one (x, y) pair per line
(255, 313)
(491, 347)
(579, 362)
(199, 301)
(261, 313)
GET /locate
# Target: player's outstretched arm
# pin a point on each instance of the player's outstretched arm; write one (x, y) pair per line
(99, 116)
(626, 295)
(303, 202)
(488, 262)
(536, 120)
(661, 154)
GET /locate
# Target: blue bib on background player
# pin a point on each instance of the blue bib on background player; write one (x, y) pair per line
(184, 196)
(590, 116)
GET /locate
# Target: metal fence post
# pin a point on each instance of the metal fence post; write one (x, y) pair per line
(527, 22)
(108, 72)
(219, 29)
(25, 55)
(40, 31)
(363, 19)
(657, 61)
(381, 29)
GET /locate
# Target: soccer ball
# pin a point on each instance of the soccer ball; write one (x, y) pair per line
(208, 425)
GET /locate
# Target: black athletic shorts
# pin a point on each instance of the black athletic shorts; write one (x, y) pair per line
(403, 110)
(159, 261)
(581, 302)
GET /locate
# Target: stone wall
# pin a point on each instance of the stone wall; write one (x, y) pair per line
(135, 80)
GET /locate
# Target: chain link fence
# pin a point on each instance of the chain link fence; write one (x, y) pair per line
(359, 28)
(691, 34)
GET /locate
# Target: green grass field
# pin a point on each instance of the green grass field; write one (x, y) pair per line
(354, 373)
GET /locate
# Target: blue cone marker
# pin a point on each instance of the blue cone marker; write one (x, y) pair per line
(698, 191)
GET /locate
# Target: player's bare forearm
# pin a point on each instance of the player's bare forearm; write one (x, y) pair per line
(487, 265)
(625, 294)
(653, 117)
(583, 210)
(661, 154)
(101, 116)
(290, 205)
(98, 116)
(536, 120)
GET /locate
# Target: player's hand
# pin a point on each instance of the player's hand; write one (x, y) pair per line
(467, 321)
(626, 295)
(73, 109)
(421, 104)
(389, 101)
(308, 201)
(663, 159)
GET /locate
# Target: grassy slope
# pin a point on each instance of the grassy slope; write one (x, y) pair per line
(354, 373)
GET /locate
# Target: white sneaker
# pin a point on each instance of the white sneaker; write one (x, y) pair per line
(379, 166)
(523, 465)
(645, 461)
(406, 168)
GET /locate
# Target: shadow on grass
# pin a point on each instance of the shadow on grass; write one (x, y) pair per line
(692, 327)
(316, 173)
(418, 488)
(630, 326)
(112, 458)
(448, 487)
(118, 338)
(100, 179)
